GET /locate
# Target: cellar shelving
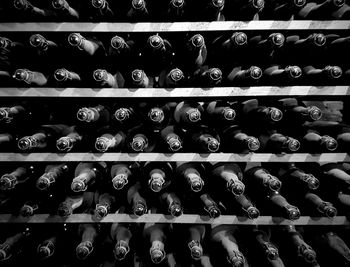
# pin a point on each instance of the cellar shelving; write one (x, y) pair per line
(186, 218)
(177, 92)
(195, 157)
(178, 26)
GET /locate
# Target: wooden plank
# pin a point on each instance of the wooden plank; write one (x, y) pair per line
(177, 26)
(177, 92)
(186, 218)
(224, 157)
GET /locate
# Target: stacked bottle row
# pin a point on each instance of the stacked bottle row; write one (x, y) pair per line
(172, 245)
(172, 10)
(175, 59)
(209, 189)
(274, 126)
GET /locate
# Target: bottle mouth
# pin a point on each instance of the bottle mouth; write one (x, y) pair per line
(64, 210)
(119, 181)
(3, 255)
(334, 72)
(218, 3)
(258, 4)
(315, 113)
(236, 187)
(4, 114)
(229, 114)
(6, 182)
(275, 184)
(253, 213)
(339, 3)
(121, 114)
(100, 75)
(37, 40)
(215, 74)
(139, 144)
(175, 210)
(84, 114)
(197, 40)
(21, 75)
(176, 75)
(331, 211)
(102, 144)
(120, 251)
(237, 259)
(20, 4)
(44, 252)
(294, 72)
(177, 3)
(312, 182)
(4, 42)
(61, 75)
(214, 212)
(25, 143)
(196, 186)
(196, 250)
(155, 41)
(255, 73)
(213, 145)
(299, 3)
(319, 39)
(156, 186)
(293, 145)
(308, 253)
(140, 209)
(98, 3)
(117, 42)
(101, 211)
(43, 183)
(293, 213)
(75, 39)
(78, 186)
(240, 38)
(275, 114)
(138, 4)
(59, 4)
(82, 252)
(194, 115)
(329, 143)
(137, 76)
(253, 143)
(157, 256)
(174, 144)
(156, 115)
(64, 144)
(277, 39)
(26, 211)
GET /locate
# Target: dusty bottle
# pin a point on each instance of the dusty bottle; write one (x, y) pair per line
(172, 138)
(282, 206)
(234, 140)
(267, 49)
(47, 248)
(329, 75)
(313, 142)
(195, 236)
(138, 11)
(155, 115)
(123, 53)
(12, 245)
(93, 116)
(206, 77)
(140, 139)
(72, 140)
(105, 203)
(279, 75)
(171, 78)
(210, 205)
(30, 78)
(204, 140)
(139, 79)
(172, 203)
(220, 114)
(240, 76)
(159, 175)
(286, 10)
(67, 78)
(110, 140)
(156, 236)
(28, 11)
(100, 10)
(52, 176)
(105, 79)
(88, 235)
(18, 178)
(192, 173)
(322, 10)
(249, 209)
(188, 114)
(263, 178)
(196, 52)
(121, 235)
(86, 174)
(76, 203)
(64, 10)
(275, 142)
(137, 202)
(121, 174)
(124, 116)
(269, 250)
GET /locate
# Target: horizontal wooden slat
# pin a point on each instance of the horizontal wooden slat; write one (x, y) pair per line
(224, 157)
(177, 92)
(177, 26)
(186, 218)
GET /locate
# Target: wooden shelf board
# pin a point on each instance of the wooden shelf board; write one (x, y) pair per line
(186, 218)
(177, 92)
(176, 26)
(224, 157)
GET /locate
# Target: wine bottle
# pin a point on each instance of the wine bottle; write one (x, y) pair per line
(103, 78)
(100, 10)
(206, 77)
(172, 138)
(195, 238)
(196, 52)
(313, 142)
(28, 11)
(155, 115)
(104, 204)
(121, 236)
(188, 114)
(121, 174)
(19, 178)
(321, 9)
(250, 10)
(138, 11)
(76, 203)
(274, 142)
(67, 78)
(64, 10)
(193, 173)
(220, 114)
(329, 75)
(172, 203)
(28, 78)
(47, 248)
(177, 10)
(287, 10)
(159, 175)
(171, 78)
(123, 53)
(210, 205)
(110, 140)
(249, 209)
(93, 116)
(279, 75)
(155, 234)
(124, 116)
(139, 79)
(203, 140)
(86, 174)
(320, 207)
(140, 139)
(53, 176)
(13, 245)
(135, 199)
(88, 235)
(239, 76)
(269, 250)
(261, 176)
(282, 207)
(234, 140)
(268, 49)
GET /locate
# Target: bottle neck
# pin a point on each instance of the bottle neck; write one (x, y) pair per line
(210, 206)
(120, 176)
(8, 114)
(234, 256)
(284, 143)
(67, 143)
(87, 46)
(196, 235)
(108, 142)
(8, 248)
(30, 77)
(270, 250)
(233, 183)
(83, 178)
(91, 114)
(250, 210)
(305, 251)
(173, 141)
(157, 180)
(139, 143)
(194, 179)
(249, 142)
(325, 208)
(267, 180)
(173, 204)
(208, 143)
(67, 207)
(291, 212)
(18, 176)
(311, 181)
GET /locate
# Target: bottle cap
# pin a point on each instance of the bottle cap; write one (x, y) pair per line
(137, 75)
(156, 186)
(253, 213)
(213, 145)
(255, 73)
(121, 114)
(138, 4)
(277, 39)
(156, 115)
(44, 252)
(176, 75)
(253, 143)
(59, 4)
(98, 3)
(258, 4)
(78, 185)
(7, 182)
(101, 211)
(26, 211)
(37, 40)
(299, 3)
(117, 42)
(197, 40)
(218, 3)
(157, 255)
(4, 114)
(75, 39)
(229, 114)
(4, 42)
(293, 144)
(64, 210)
(274, 184)
(334, 72)
(307, 253)
(177, 3)
(155, 41)
(240, 38)
(329, 143)
(175, 209)
(312, 182)
(20, 4)
(174, 144)
(140, 209)
(236, 187)
(100, 75)
(236, 259)
(139, 144)
(275, 114)
(196, 249)
(84, 114)
(214, 212)
(43, 183)
(194, 115)
(196, 186)
(319, 39)
(83, 250)
(119, 181)
(21, 75)
(215, 74)
(314, 113)
(61, 75)
(271, 251)
(64, 144)
(121, 249)
(338, 3)
(25, 143)
(293, 213)
(3, 255)
(294, 72)
(330, 211)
